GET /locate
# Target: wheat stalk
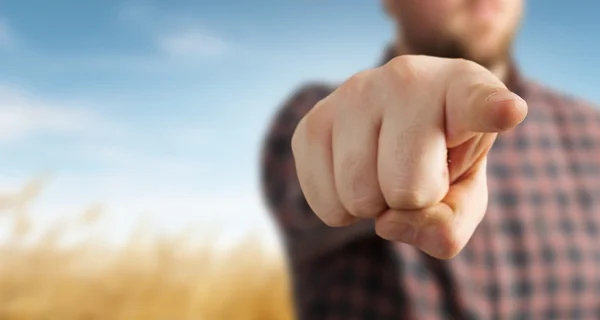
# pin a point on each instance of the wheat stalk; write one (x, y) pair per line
(150, 278)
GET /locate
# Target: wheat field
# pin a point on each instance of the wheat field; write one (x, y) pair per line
(157, 278)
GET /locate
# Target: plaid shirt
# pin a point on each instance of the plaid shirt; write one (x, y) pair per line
(536, 254)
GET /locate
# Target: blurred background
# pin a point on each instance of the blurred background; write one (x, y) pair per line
(130, 135)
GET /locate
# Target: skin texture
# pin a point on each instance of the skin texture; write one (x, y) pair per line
(378, 146)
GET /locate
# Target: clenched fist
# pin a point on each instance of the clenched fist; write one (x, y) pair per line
(406, 144)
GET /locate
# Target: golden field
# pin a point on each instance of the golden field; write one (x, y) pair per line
(149, 278)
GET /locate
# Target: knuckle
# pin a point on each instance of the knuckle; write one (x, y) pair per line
(403, 69)
(467, 66)
(357, 84)
(409, 199)
(401, 62)
(314, 124)
(464, 64)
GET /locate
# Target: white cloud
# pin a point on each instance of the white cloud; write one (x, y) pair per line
(175, 34)
(22, 115)
(191, 42)
(6, 36)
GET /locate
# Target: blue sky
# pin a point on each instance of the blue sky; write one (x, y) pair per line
(157, 108)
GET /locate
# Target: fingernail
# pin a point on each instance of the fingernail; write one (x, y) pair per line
(503, 96)
(431, 241)
(406, 233)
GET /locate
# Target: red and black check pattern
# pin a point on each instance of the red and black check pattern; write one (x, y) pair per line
(536, 255)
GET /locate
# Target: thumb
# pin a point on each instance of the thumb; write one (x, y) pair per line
(474, 105)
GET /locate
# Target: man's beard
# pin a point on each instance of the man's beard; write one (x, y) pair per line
(456, 49)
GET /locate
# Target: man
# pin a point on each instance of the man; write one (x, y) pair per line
(381, 184)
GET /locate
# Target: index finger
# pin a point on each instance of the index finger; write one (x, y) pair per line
(478, 102)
